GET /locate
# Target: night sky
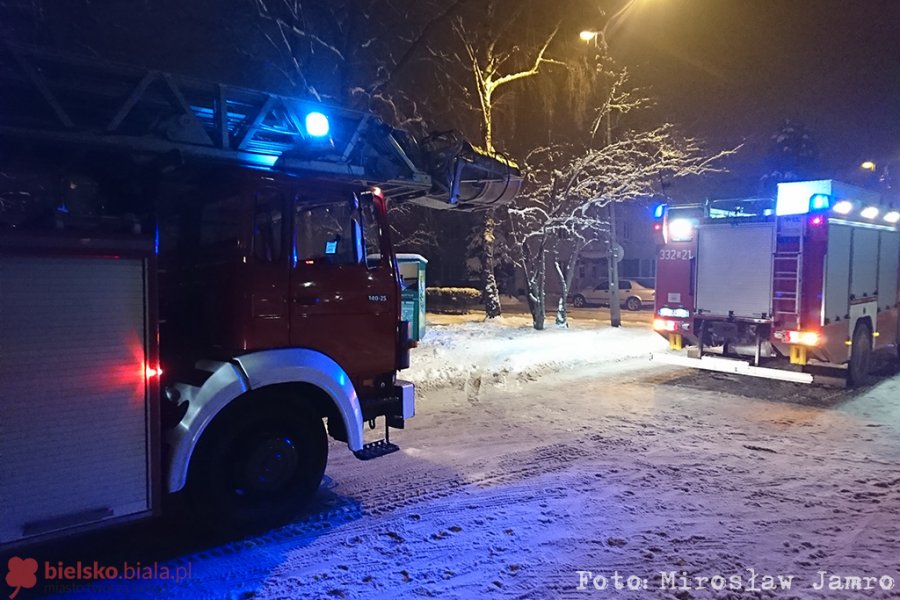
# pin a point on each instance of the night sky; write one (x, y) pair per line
(727, 71)
(731, 71)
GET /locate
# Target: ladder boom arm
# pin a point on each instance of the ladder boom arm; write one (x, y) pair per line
(56, 98)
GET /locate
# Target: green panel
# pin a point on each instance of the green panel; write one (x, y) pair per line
(412, 298)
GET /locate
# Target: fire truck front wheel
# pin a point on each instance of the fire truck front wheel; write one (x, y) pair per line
(257, 467)
(860, 356)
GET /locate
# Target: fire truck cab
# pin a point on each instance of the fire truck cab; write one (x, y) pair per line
(800, 287)
(675, 232)
(197, 289)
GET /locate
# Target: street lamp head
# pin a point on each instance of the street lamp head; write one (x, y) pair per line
(867, 165)
(588, 36)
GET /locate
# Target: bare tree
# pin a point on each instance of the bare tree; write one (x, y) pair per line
(549, 224)
(568, 186)
(490, 68)
(494, 62)
(414, 226)
(286, 26)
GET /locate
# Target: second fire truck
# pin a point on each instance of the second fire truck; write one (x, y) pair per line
(802, 287)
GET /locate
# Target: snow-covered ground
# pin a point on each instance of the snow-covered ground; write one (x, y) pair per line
(467, 352)
(542, 462)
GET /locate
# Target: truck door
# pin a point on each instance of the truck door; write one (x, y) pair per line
(676, 260)
(269, 270)
(343, 287)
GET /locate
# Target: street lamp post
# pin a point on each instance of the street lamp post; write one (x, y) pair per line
(612, 260)
(612, 246)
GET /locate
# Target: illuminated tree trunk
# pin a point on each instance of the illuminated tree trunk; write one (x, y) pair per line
(485, 67)
(491, 292)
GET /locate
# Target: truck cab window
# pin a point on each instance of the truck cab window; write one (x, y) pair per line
(327, 233)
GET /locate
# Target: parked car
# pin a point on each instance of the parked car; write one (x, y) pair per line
(632, 295)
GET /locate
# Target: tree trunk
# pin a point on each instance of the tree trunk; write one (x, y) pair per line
(488, 114)
(533, 279)
(491, 293)
(561, 315)
(538, 292)
(537, 303)
(566, 279)
(536, 296)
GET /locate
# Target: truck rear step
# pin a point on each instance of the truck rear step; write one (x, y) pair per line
(741, 367)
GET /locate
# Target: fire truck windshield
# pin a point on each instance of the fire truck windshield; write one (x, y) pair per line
(329, 232)
(744, 208)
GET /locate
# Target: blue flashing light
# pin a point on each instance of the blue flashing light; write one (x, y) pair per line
(317, 124)
(659, 211)
(819, 202)
(156, 241)
(263, 160)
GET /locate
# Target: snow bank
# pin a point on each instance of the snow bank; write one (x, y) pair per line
(509, 349)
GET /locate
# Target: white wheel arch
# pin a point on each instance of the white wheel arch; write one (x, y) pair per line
(230, 380)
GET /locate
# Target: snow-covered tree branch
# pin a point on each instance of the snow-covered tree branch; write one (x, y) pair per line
(560, 213)
(486, 65)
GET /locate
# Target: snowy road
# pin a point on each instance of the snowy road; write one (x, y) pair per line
(620, 467)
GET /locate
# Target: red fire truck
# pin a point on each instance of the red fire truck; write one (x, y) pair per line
(197, 288)
(800, 288)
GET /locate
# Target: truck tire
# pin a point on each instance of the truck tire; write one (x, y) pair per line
(633, 303)
(860, 356)
(578, 301)
(257, 467)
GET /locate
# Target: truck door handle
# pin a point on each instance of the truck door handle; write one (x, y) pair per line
(306, 300)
